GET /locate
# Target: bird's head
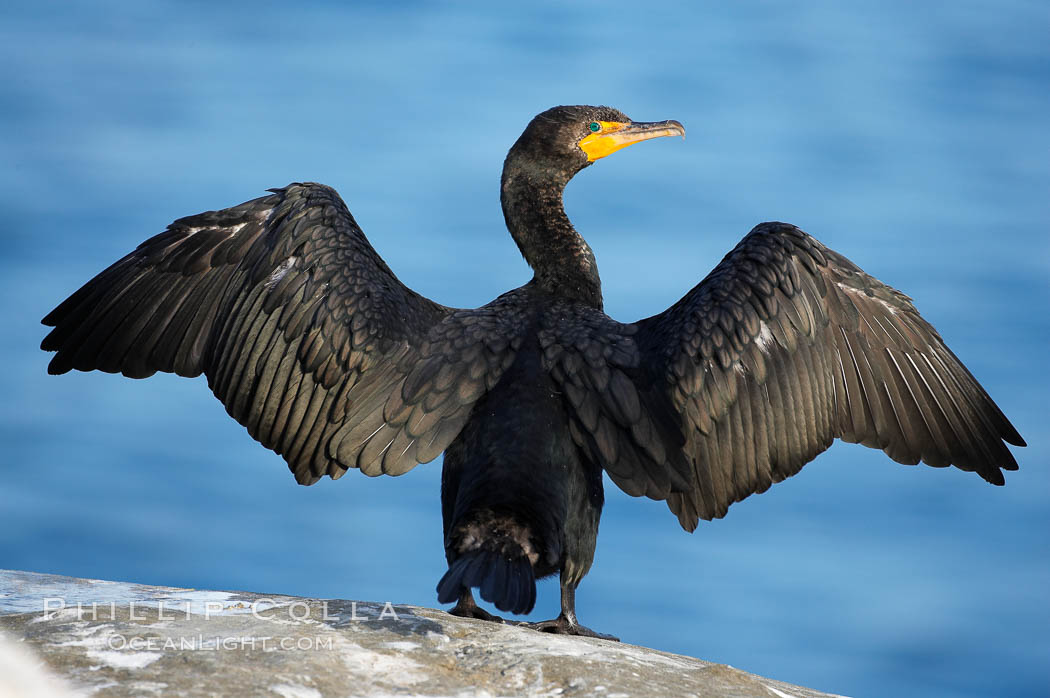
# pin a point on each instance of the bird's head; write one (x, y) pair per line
(563, 140)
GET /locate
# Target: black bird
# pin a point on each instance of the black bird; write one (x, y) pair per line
(316, 347)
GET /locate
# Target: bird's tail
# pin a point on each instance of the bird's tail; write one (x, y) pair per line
(507, 581)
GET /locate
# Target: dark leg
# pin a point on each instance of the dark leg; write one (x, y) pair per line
(566, 623)
(466, 607)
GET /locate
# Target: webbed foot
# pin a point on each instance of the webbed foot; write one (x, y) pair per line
(466, 607)
(562, 625)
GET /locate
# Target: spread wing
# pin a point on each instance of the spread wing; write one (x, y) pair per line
(783, 348)
(302, 330)
(788, 345)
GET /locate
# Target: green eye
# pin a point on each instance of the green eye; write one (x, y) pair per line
(595, 127)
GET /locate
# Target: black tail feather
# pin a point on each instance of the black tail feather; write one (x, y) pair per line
(510, 584)
(495, 582)
(524, 581)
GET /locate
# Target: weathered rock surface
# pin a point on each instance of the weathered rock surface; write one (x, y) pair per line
(132, 640)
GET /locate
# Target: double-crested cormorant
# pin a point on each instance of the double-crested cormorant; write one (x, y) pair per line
(314, 345)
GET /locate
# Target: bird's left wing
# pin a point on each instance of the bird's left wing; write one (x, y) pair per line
(303, 331)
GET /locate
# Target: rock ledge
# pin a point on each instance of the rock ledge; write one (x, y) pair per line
(120, 639)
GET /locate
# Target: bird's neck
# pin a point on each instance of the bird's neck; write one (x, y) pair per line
(562, 260)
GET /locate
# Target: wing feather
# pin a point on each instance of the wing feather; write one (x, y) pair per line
(304, 333)
(786, 346)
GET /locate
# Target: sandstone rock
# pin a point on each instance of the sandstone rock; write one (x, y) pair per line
(121, 639)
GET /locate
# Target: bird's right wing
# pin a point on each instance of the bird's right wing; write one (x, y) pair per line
(788, 345)
(303, 331)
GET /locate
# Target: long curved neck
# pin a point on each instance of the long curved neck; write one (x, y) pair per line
(562, 260)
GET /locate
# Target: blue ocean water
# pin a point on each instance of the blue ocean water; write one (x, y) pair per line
(911, 137)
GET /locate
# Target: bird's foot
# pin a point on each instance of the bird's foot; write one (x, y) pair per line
(466, 607)
(563, 626)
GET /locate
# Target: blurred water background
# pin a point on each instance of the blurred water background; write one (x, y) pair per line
(912, 137)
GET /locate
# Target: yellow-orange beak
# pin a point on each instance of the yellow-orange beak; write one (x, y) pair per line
(614, 135)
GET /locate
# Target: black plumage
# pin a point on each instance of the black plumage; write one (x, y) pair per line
(314, 345)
